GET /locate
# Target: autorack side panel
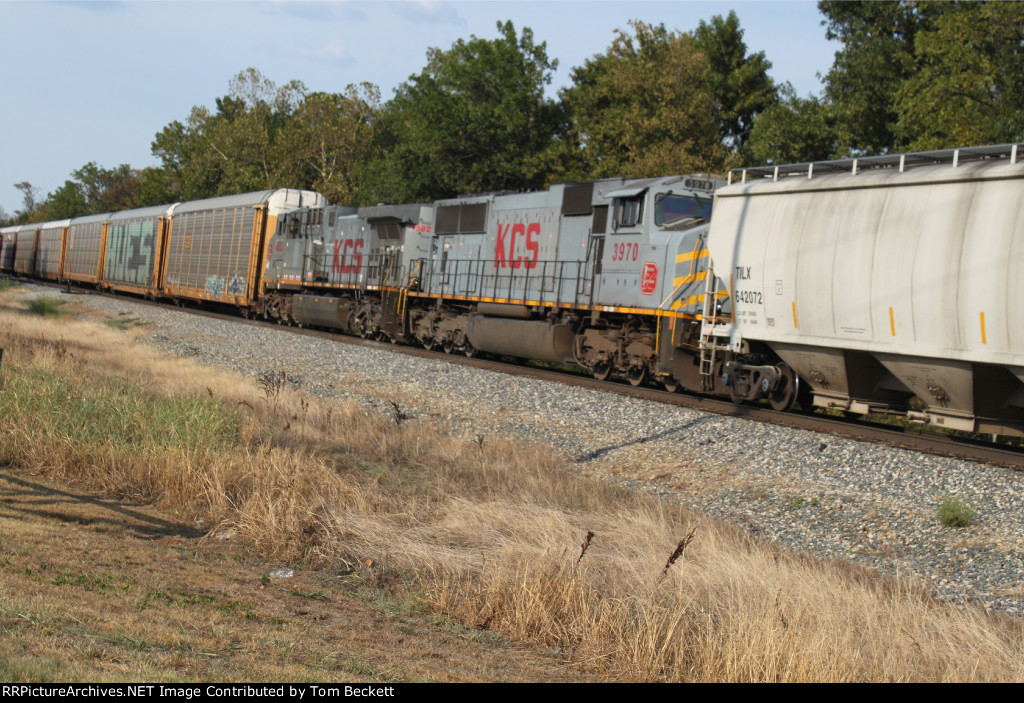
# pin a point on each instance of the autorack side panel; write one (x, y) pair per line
(8, 241)
(50, 249)
(215, 247)
(209, 247)
(25, 250)
(134, 243)
(83, 253)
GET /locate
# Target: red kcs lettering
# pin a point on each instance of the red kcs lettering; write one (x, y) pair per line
(505, 246)
(348, 257)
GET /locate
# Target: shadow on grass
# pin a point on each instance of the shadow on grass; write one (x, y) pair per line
(45, 501)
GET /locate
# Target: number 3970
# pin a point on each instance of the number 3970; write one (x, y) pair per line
(625, 251)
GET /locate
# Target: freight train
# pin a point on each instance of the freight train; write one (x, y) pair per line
(873, 285)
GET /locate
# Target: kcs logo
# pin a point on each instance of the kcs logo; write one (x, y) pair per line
(350, 249)
(507, 243)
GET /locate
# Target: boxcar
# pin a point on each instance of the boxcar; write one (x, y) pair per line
(50, 250)
(8, 238)
(83, 253)
(25, 250)
(131, 261)
(215, 247)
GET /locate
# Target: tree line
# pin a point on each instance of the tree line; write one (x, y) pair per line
(908, 75)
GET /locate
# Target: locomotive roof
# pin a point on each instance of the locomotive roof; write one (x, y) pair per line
(399, 212)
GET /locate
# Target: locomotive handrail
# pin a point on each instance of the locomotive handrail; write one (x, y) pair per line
(446, 278)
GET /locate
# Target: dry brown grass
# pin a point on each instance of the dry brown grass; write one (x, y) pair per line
(489, 532)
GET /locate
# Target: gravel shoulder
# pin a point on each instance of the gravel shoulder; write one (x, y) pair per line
(817, 493)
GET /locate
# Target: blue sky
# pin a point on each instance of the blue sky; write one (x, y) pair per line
(95, 81)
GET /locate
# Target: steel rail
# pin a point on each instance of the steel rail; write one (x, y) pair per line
(921, 440)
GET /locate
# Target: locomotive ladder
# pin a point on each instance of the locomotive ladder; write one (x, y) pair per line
(707, 339)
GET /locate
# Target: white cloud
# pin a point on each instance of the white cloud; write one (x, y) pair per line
(335, 51)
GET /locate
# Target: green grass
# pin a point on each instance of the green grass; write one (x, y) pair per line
(123, 323)
(953, 512)
(46, 306)
(115, 414)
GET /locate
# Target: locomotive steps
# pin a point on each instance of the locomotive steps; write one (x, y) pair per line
(483, 529)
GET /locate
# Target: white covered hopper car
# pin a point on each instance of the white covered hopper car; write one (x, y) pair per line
(869, 282)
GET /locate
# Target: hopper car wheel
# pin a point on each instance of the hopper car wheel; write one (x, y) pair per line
(783, 397)
(638, 375)
(734, 396)
(469, 350)
(602, 371)
(365, 333)
(448, 346)
(670, 384)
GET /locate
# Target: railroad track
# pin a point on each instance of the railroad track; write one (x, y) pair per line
(907, 438)
(921, 440)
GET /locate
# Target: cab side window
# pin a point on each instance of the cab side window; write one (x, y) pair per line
(629, 212)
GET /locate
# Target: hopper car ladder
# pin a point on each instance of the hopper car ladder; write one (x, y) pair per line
(708, 345)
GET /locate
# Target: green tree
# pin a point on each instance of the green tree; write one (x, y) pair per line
(968, 88)
(475, 119)
(230, 150)
(877, 57)
(793, 130)
(739, 83)
(645, 107)
(108, 189)
(28, 200)
(327, 139)
(192, 170)
(65, 202)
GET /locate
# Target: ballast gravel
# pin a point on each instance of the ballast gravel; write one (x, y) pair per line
(817, 493)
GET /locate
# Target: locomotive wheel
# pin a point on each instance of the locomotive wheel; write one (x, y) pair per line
(638, 375)
(783, 397)
(602, 371)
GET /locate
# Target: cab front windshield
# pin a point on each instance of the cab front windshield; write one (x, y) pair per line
(681, 210)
